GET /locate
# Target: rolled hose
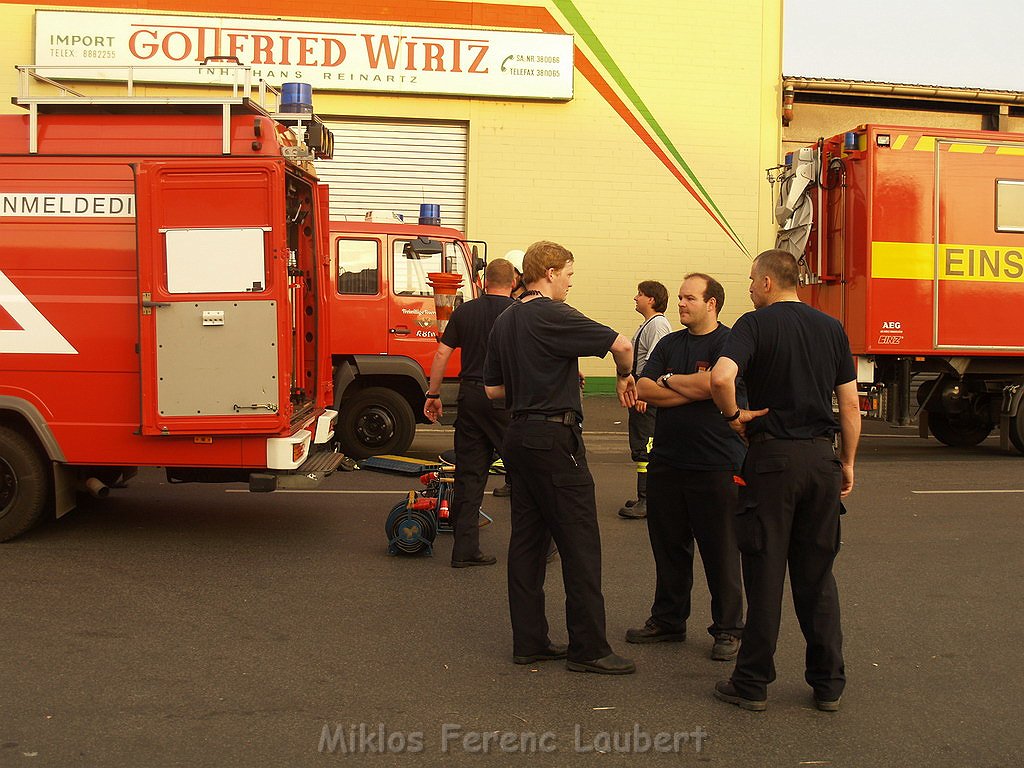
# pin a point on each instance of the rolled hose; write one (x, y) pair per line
(411, 525)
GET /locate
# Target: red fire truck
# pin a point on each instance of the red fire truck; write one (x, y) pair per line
(383, 325)
(164, 282)
(914, 239)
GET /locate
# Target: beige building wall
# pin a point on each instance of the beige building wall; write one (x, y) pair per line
(575, 172)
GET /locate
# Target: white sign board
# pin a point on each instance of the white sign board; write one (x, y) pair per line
(215, 260)
(328, 56)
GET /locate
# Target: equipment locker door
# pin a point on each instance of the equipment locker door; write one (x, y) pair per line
(979, 244)
(359, 311)
(212, 298)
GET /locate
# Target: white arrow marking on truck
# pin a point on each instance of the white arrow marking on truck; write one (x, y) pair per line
(37, 336)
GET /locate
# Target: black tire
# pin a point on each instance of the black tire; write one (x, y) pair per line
(375, 421)
(958, 434)
(23, 484)
(1017, 429)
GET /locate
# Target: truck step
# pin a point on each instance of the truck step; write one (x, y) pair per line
(324, 461)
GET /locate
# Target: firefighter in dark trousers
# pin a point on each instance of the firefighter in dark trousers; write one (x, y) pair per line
(690, 492)
(533, 362)
(481, 422)
(792, 359)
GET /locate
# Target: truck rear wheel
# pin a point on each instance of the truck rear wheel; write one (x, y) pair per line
(1017, 429)
(23, 484)
(375, 421)
(958, 433)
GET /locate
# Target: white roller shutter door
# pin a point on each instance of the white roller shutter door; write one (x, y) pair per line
(393, 166)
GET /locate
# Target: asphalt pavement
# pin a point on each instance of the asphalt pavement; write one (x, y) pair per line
(192, 625)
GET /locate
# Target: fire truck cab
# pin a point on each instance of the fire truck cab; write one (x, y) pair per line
(163, 295)
(914, 239)
(384, 328)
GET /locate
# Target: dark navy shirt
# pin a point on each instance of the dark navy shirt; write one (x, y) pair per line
(692, 436)
(534, 352)
(791, 357)
(469, 327)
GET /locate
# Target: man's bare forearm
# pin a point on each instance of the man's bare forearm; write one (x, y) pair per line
(692, 386)
(441, 357)
(657, 395)
(849, 421)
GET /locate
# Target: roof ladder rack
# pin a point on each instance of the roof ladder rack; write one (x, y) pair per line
(68, 98)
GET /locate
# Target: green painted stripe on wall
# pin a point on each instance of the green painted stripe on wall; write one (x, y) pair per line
(599, 385)
(584, 30)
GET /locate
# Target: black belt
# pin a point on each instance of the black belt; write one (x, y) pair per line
(764, 437)
(568, 418)
(470, 380)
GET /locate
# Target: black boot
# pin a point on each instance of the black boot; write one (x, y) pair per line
(637, 510)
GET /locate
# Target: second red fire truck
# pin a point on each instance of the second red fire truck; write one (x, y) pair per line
(914, 239)
(383, 324)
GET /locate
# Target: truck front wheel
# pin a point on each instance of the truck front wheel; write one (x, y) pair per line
(961, 432)
(23, 484)
(375, 421)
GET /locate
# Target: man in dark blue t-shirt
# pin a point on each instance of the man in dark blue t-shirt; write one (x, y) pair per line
(792, 359)
(533, 362)
(690, 490)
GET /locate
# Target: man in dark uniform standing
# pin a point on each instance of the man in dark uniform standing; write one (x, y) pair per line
(792, 359)
(690, 490)
(533, 362)
(481, 423)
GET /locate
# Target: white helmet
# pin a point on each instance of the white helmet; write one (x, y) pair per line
(516, 257)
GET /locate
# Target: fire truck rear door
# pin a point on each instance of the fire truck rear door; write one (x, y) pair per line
(210, 306)
(979, 237)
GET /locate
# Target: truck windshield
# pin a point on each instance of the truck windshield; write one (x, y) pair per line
(411, 268)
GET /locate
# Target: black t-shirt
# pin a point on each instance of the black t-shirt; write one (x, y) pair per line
(533, 351)
(469, 327)
(791, 357)
(692, 436)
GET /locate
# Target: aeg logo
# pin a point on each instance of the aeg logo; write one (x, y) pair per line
(891, 333)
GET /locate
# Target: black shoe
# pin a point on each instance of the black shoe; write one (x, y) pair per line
(653, 632)
(827, 706)
(503, 490)
(478, 560)
(726, 691)
(626, 507)
(726, 647)
(606, 665)
(551, 653)
(637, 511)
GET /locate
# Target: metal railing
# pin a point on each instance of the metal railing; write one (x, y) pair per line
(39, 88)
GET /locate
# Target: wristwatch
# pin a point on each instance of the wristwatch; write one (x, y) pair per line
(663, 379)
